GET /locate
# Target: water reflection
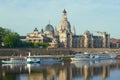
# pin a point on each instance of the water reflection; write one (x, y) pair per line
(82, 70)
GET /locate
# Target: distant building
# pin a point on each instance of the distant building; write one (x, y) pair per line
(63, 36)
(115, 43)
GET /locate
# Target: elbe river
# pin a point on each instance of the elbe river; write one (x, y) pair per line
(79, 70)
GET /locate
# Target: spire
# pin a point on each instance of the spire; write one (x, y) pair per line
(64, 11)
(64, 15)
(74, 31)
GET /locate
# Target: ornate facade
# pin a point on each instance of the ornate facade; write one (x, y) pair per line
(63, 36)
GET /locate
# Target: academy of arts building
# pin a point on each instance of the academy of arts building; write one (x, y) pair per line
(64, 36)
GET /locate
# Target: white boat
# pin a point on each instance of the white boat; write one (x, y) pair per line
(84, 56)
(33, 59)
(42, 59)
(17, 60)
(106, 56)
(22, 60)
(88, 56)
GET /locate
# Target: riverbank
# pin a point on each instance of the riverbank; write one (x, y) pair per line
(53, 51)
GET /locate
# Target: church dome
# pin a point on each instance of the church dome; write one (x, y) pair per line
(87, 32)
(65, 25)
(49, 28)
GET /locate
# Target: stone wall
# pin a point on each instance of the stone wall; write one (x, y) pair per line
(55, 51)
(34, 51)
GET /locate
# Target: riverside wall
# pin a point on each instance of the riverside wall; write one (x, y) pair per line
(53, 51)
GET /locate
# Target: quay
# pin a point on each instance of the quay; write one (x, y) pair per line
(53, 52)
(39, 56)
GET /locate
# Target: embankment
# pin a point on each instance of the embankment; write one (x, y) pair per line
(53, 51)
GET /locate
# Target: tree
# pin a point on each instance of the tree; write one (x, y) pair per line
(3, 32)
(44, 44)
(12, 40)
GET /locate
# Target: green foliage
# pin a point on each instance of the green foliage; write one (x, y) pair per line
(44, 44)
(3, 32)
(12, 40)
(36, 44)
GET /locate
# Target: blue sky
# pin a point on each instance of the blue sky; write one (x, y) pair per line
(23, 16)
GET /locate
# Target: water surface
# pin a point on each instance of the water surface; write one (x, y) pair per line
(80, 70)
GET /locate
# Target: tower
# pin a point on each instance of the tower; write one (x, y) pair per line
(64, 30)
(74, 31)
(64, 24)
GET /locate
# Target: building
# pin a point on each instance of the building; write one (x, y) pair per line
(63, 36)
(114, 43)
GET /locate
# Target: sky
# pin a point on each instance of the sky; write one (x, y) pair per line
(22, 16)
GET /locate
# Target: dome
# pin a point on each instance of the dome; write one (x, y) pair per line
(65, 25)
(49, 27)
(35, 29)
(87, 32)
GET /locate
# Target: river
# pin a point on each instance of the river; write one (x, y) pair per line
(80, 70)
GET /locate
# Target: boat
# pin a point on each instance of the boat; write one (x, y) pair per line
(15, 60)
(84, 56)
(22, 60)
(32, 59)
(92, 56)
(42, 59)
(102, 56)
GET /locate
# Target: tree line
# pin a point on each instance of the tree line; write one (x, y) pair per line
(9, 39)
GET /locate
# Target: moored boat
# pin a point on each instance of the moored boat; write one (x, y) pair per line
(84, 56)
(106, 56)
(97, 56)
(16, 60)
(32, 59)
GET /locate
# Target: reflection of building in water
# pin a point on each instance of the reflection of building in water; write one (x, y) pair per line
(44, 74)
(63, 74)
(35, 77)
(1, 72)
(105, 72)
(66, 73)
(88, 72)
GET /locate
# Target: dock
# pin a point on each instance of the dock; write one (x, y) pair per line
(39, 56)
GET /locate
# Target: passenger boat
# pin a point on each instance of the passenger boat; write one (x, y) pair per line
(84, 56)
(22, 60)
(16, 60)
(31, 59)
(106, 56)
(42, 59)
(97, 56)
